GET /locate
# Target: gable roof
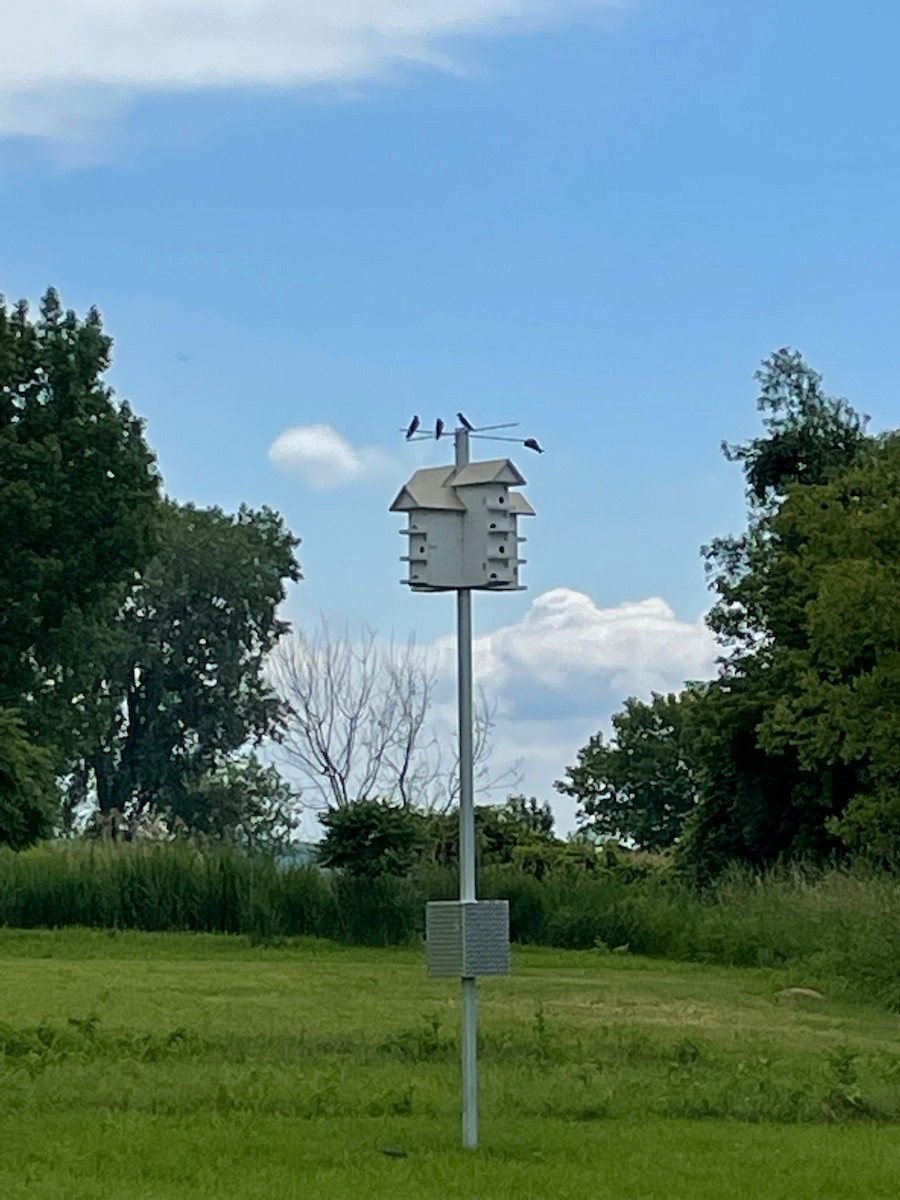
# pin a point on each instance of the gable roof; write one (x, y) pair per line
(429, 488)
(492, 470)
(435, 487)
(518, 504)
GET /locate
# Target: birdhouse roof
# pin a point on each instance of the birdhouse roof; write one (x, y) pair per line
(493, 470)
(519, 505)
(429, 488)
(434, 488)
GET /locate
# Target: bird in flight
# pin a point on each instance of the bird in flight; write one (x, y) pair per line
(533, 444)
(438, 428)
(465, 424)
(413, 426)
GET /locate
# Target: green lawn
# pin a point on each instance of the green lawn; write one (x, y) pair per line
(169, 1066)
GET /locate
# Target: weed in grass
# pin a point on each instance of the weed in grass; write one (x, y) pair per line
(422, 1043)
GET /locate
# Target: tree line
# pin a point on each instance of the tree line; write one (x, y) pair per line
(144, 663)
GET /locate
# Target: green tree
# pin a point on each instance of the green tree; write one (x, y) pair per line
(194, 636)
(520, 830)
(78, 507)
(841, 557)
(809, 438)
(371, 838)
(640, 786)
(28, 800)
(529, 814)
(244, 802)
(756, 802)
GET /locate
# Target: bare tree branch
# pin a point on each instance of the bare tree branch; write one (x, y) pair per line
(359, 723)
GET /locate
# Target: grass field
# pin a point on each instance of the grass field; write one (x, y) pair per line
(188, 1066)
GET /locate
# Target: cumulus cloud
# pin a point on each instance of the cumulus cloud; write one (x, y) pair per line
(325, 459)
(558, 675)
(567, 652)
(56, 51)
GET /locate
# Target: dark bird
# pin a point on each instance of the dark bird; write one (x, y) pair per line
(532, 444)
(413, 426)
(465, 424)
(438, 428)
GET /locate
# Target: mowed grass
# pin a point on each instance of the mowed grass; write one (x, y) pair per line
(194, 1066)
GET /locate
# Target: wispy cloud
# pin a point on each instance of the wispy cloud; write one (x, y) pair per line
(324, 458)
(66, 66)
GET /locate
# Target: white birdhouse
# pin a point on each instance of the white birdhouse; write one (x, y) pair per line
(463, 527)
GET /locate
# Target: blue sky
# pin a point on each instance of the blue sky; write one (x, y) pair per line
(592, 218)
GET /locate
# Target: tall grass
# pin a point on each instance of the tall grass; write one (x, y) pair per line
(836, 924)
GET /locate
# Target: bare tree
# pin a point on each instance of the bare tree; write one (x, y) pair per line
(359, 722)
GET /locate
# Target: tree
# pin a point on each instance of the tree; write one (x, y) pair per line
(195, 633)
(358, 722)
(759, 803)
(243, 802)
(810, 437)
(529, 815)
(78, 509)
(28, 800)
(842, 557)
(640, 786)
(370, 838)
(519, 831)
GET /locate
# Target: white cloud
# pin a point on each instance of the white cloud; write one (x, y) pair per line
(558, 675)
(71, 62)
(324, 458)
(565, 638)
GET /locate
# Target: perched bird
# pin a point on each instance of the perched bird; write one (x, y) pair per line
(532, 444)
(465, 424)
(438, 428)
(413, 426)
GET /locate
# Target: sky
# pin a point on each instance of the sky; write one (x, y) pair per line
(304, 222)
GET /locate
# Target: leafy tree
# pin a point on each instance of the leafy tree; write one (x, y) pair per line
(371, 838)
(759, 803)
(755, 805)
(518, 831)
(195, 633)
(842, 557)
(529, 814)
(640, 786)
(78, 507)
(28, 800)
(810, 437)
(244, 802)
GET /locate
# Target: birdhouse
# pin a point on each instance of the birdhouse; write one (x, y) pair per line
(463, 527)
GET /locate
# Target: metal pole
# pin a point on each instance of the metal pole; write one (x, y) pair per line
(469, 1027)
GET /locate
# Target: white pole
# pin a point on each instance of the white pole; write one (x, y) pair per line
(469, 1028)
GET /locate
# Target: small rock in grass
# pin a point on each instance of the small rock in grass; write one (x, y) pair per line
(802, 991)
